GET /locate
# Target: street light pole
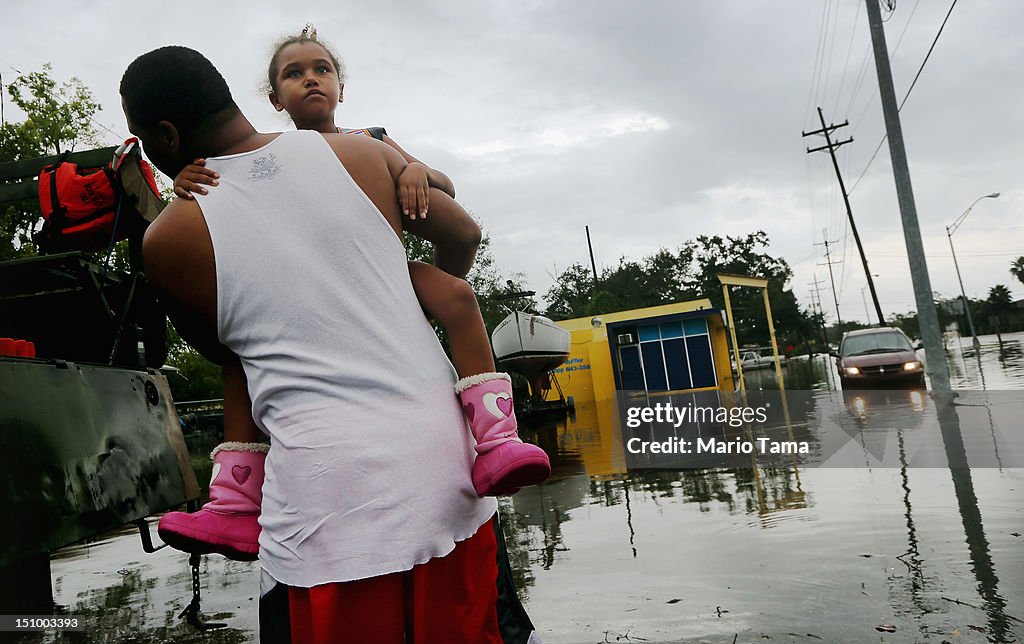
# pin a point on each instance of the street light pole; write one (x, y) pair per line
(950, 229)
(867, 314)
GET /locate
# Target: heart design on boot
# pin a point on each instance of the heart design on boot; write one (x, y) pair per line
(499, 404)
(470, 410)
(505, 405)
(241, 473)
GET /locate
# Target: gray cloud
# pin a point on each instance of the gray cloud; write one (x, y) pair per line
(651, 122)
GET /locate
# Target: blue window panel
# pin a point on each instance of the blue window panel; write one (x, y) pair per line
(654, 366)
(649, 332)
(702, 367)
(630, 371)
(676, 364)
(695, 326)
(671, 330)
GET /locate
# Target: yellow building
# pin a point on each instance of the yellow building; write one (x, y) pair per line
(667, 348)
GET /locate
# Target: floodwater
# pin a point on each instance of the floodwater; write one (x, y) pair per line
(896, 549)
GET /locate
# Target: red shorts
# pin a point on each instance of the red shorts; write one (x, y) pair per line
(448, 599)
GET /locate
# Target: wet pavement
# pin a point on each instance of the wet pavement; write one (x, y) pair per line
(894, 546)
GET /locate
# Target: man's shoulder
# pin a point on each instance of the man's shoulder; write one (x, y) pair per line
(364, 152)
(180, 213)
(360, 144)
(178, 226)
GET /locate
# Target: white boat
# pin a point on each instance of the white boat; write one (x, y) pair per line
(529, 344)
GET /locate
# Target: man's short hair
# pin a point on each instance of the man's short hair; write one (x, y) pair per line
(174, 84)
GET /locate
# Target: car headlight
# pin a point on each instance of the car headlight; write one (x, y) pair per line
(852, 371)
(913, 365)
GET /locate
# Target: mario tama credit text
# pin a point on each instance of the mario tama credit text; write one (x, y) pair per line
(714, 445)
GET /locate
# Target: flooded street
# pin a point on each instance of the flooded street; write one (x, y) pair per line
(702, 558)
(889, 543)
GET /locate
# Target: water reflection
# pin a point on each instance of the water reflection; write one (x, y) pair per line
(981, 560)
(770, 548)
(129, 596)
(998, 366)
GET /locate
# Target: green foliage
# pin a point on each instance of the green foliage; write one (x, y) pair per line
(571, 294)
(993, 314)
(18, 219)
(1017, 268)
(198, 378)
(836, 331)
(58, 118)
(907, 322)
(997, 311)
(489, 285)
(689, 273)
(999, 297)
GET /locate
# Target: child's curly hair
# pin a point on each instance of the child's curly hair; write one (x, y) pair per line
(308, 34)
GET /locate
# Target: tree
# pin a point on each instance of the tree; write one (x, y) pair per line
(999, 302)
(1017, 268)
(571, 293)
(743, 256)
(656, 279)
(57, 118)
(197, 377)
(17, 220)
(689, 273)
(999, 297)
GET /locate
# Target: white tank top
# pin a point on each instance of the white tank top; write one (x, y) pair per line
(369, 469)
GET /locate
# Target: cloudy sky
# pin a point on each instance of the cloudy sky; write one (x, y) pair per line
(652, 122)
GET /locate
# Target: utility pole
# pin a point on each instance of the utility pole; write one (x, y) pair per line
(815, 290)
(831, 277)
(831, 147)
(593, 266)
(928, 319)
(816, 301)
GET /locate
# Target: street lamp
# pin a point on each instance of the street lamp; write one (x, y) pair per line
(950, 229)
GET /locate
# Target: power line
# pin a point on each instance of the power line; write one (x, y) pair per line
(907, 95)
(818, 89)
(831, 49)
(11, 66)
(849, 52)
(928, 55)
(815, 78)
(892, 56)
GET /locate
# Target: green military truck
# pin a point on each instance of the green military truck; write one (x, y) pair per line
(89, 437)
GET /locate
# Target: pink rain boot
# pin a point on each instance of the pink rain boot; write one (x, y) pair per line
(504, 463)
(229, 523)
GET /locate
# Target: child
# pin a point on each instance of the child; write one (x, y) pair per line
(306, 80)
